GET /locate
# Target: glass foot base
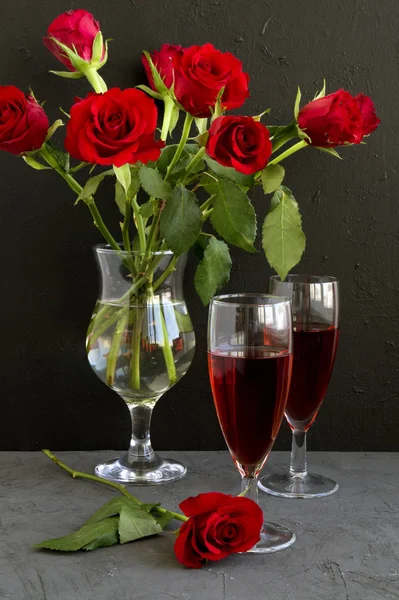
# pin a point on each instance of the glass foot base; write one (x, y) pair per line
(273, 538)
(119, 470)
(287, 486)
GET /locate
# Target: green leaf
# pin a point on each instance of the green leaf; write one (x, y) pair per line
(153, 183)
(79, 63)
(282, 135)
(181, 220)
(91, 185)
(136, 523)
(272, 178)
(112, 508)
(322, 92)
(201, 124)
(164, 519)
(213, 271)
(97, 48)
(68, 74)
(168, 153)
(90, 536)
(174, 118)
(148, 209)
(233, 215)
(229, 173)
(282, 237)
(124, 177)
(61, 157)
(297, 103)
(330, 151)
(158, 81)
(262, 114)
(34, 163)
(104, 541)
(120, 197)
(58, 123)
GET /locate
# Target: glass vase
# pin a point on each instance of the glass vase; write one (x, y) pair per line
(140, 343)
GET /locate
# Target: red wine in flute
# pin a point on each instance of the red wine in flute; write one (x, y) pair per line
(315, 348)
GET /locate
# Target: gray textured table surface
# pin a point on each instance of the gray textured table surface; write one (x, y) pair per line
(347, 545)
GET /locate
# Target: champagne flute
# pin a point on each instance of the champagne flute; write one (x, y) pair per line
(315, 312)
(250, 363)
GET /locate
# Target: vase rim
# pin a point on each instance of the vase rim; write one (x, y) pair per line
(106, 249)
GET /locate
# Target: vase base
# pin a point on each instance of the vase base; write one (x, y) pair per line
(118, 470)
(287, 486)
(273, 538)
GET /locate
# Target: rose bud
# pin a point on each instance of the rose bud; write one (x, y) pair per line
(113, 128)
(201, 72)
(337, 119)
(163, 62)
(23, 122)
(77, 30)
(218, 525)
(239, 142)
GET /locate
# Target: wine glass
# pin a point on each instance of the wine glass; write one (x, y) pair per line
(315, 311)
(250, 363)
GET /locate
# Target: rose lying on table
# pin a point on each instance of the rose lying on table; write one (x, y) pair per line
(214, 526)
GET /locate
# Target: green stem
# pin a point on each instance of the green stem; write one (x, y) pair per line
(206, 214)
(205, 205)
(96, 81)
(288, 152)
(195, 160)
(101, 327)
(153, 231)
(167, 116)
(99, 223)
(77, 188)
(140, 224)
(116, 346)
(170, 268)
(167, 351)
(125, 227)
(116, 486)
(184, 137)
(136, 349)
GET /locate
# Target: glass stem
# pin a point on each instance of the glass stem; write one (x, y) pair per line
(249, 488)
(298, 466)
(140, 453)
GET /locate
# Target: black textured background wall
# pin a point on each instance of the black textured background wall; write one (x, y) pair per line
(50, 397)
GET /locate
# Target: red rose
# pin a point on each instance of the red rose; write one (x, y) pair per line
(239, 142)
(76, 29)
(113, 128)
(23, 122)
(201, 72)
(337, 119)
(163, 61)
(219, 525)
(370, 119)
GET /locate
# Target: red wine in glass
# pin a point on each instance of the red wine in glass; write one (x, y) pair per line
(315, 347)
(250, 396)
(315, 313)
(250, 364)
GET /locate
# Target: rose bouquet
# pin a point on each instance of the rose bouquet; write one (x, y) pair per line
(218, 158)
